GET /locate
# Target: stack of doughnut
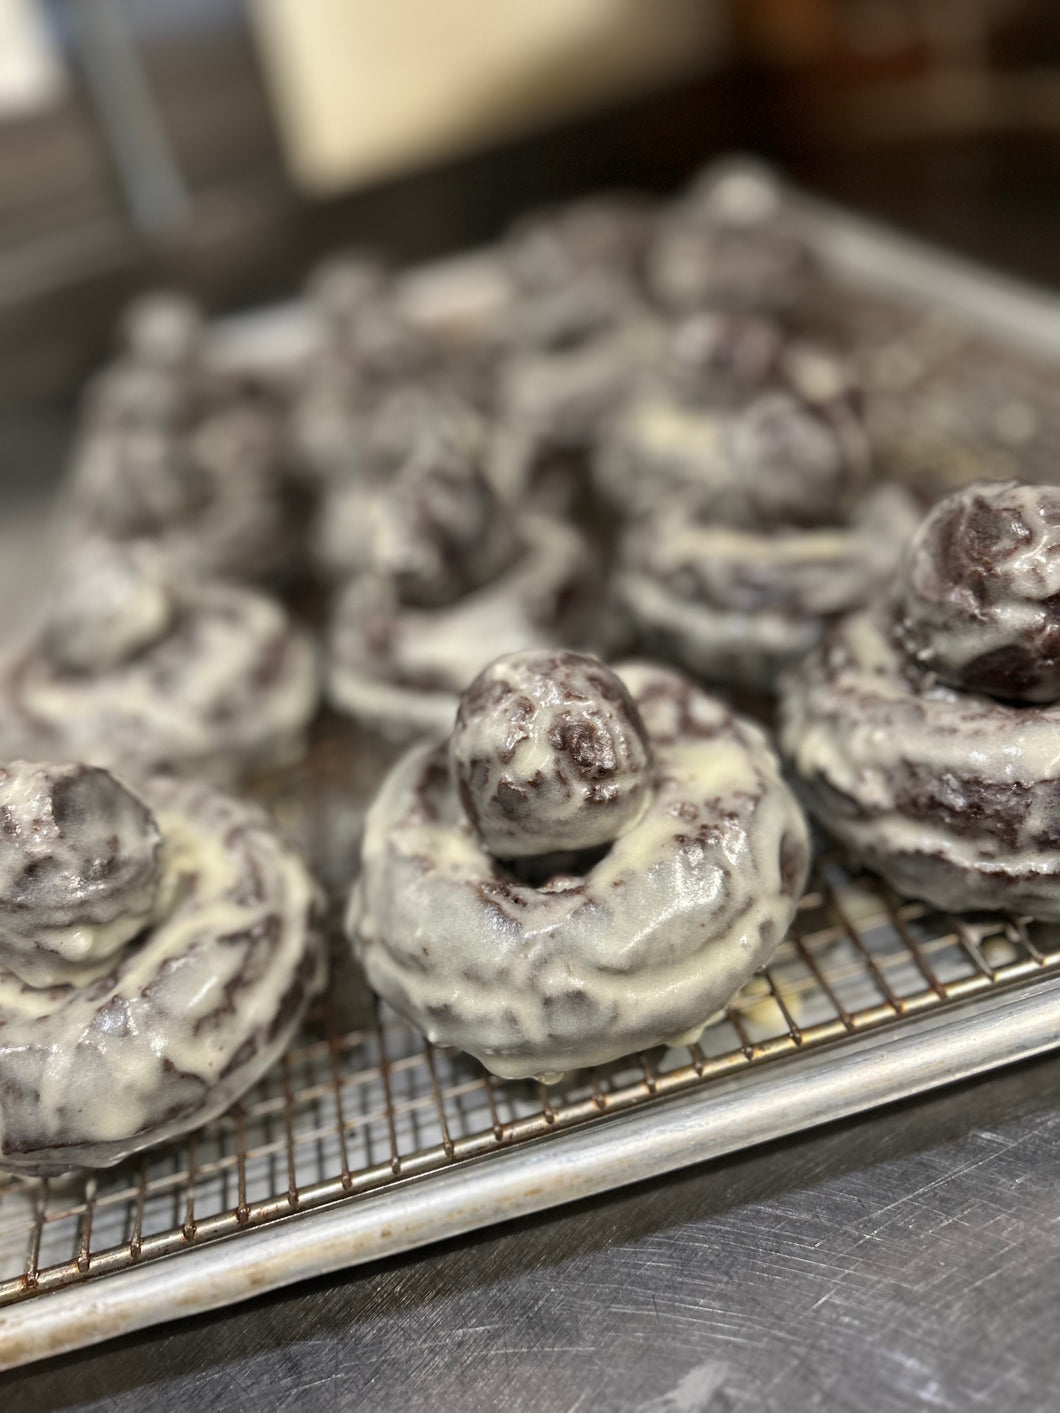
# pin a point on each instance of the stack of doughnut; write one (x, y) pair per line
(752, 523)
(158, 949)
(135, 665)
(926, 730)
(451, 579)
(591, 864)
(170, 449)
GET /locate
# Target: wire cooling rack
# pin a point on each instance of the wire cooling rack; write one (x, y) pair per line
(353, 1112)
(366, 1140)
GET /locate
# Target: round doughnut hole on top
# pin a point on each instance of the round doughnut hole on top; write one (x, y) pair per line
(550, 757)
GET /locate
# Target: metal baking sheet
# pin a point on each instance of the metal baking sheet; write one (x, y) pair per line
(366, 1141)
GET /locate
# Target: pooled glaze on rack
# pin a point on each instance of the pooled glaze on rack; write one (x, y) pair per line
(187, 1017)
(639, 949)
(214, 680)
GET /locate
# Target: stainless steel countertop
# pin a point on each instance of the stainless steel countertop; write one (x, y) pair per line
(907, 1259)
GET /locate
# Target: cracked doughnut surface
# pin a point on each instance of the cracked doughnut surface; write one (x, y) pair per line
(640, 949)
(186, 1017)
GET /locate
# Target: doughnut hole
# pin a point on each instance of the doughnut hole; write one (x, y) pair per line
(80, 867)
(550, 755)
(793, 462)
(112, 602)
(979, 591)
(442, 531)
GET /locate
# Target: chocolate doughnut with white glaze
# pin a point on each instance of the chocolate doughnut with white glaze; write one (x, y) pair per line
(950, 793)
(777, 459)
(139, 667)
(635, 942)
(366, 351)
(731, 243)
(170, 449)
(159, 951)
(737, 605)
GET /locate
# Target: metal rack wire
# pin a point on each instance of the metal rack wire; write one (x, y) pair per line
(350, 1112)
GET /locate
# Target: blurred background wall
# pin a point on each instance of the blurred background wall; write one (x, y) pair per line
(228, 143)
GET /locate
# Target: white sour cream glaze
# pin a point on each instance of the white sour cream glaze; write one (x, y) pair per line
(652, 941)
(188, 1018)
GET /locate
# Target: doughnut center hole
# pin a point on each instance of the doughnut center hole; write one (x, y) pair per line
(552, 871)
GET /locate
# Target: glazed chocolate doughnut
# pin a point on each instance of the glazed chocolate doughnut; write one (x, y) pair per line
(342, 422)
(778, 460)
(409, 429)
(138, 667)
(731, 243)
(736, 606)
(564, 397)
(399, 669)
(629, 948)
(79, 870)
(950, 794)
(575, 271)
(158, 379)
(162, 951)
(717, 360)
(354, 299)
(173, 451)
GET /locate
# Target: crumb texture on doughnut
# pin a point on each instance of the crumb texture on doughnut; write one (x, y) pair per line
(638, 948)
(187, 1015)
